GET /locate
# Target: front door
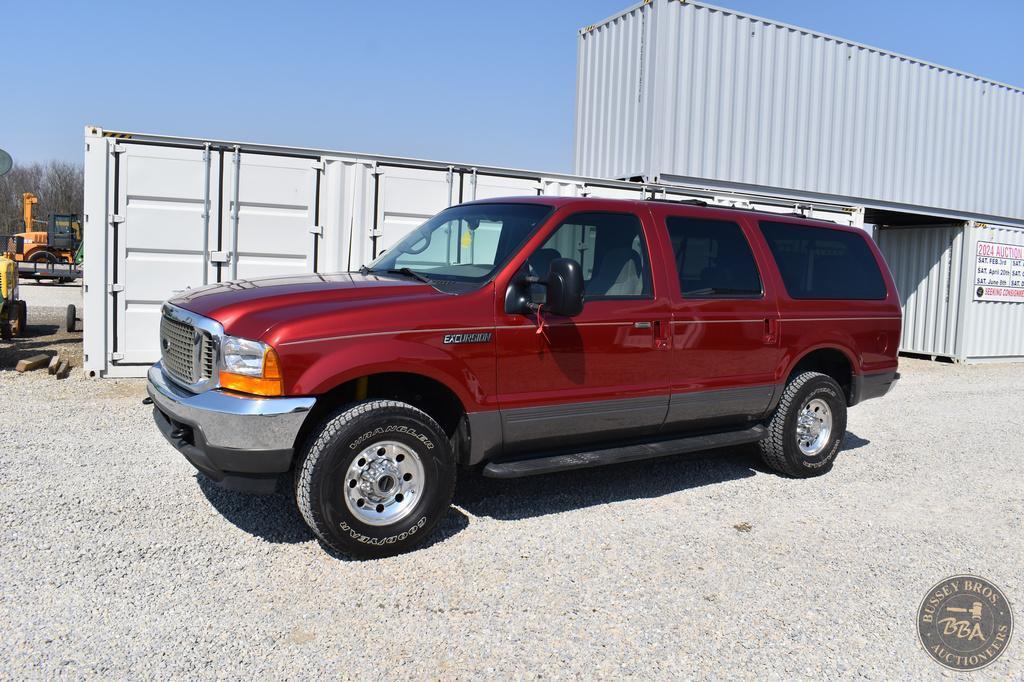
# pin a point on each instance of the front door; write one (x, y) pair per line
(725, 322)
(603, 374)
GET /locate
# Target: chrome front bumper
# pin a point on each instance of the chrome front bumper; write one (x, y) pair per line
(223, 433)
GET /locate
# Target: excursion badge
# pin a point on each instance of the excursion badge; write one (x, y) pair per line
(474, 337)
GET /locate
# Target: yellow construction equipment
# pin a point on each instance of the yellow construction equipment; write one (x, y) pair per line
(56, 241)
(12, 309)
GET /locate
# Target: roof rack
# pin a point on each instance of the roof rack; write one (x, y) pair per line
(702, 203)
(691, 202)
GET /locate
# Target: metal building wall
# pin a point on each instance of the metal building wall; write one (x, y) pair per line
(612, 98)
(688, 92)
(926, 264)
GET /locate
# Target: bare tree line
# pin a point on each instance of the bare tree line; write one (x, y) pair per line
(57, 184)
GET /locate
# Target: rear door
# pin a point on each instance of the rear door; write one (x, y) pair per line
(725, 320)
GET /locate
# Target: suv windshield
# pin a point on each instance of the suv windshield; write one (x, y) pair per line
(463, 243)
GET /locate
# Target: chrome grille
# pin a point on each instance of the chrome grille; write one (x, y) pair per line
(178, 351)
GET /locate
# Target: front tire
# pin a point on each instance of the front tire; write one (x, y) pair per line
(375, 479)
(807, 428)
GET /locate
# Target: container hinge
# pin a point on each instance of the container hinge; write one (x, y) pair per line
(318, 165)
(116, 356)
(377, 170)
(317, 229)
(220, 256)
(114, 219)
(115, 288)
(118, 148)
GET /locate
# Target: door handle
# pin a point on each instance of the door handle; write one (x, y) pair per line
(661, 334)
(771, 330)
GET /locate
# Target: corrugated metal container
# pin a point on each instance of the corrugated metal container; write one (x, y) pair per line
(166, 213)
(687, 92)
(926, 265)
(993, 330)
(935, 273)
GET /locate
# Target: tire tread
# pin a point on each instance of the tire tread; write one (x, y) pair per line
(316, 446)
(773, 447)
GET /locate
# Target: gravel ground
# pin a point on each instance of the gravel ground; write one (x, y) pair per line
(50, 295)
(118, 560)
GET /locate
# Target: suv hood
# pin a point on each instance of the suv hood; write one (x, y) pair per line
(251, 307)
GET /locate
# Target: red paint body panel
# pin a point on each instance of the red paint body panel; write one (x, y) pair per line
(329, 329)
(597, 355)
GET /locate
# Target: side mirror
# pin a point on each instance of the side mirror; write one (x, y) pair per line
(565, 287)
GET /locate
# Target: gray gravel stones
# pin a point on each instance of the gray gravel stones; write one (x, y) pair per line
(116, 560)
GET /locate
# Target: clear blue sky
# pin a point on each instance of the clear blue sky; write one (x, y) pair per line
(484, 82)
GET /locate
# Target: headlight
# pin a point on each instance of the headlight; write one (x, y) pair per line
(250, 367)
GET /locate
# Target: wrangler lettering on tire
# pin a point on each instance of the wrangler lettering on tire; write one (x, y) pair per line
(375, 478)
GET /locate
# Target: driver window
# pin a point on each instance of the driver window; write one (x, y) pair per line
(609, 247)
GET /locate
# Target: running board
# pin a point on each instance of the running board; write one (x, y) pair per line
(626, 453)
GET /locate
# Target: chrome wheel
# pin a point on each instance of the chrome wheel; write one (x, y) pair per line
(383, 483)
(813, 427)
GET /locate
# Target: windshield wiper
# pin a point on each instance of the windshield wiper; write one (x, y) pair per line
(408, 272)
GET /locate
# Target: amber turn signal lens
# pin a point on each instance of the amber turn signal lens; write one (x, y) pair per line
(270, 384)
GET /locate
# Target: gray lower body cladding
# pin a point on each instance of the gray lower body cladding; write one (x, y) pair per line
(557, 427)
(874, 385)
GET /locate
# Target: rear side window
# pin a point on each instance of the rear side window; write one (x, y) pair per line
(819, 263)
(713, 259)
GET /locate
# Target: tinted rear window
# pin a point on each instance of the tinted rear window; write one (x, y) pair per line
(819, 263)
(713, 259)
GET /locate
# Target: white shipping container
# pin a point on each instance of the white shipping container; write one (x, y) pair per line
(936, 273)
(163, 214)
(676, 91)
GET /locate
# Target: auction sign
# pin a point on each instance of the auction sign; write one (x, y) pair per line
(999, 272)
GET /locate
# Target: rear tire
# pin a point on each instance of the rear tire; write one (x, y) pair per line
(807, 427)
(375, 479)
(44, 258)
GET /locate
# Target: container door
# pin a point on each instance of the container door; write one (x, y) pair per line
(272, 231)
(157, 236)
(407, 197)
(477, 186)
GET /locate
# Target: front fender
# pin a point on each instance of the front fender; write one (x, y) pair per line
(467, 371)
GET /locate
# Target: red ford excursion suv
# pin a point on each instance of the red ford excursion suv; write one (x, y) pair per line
(527, 335)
